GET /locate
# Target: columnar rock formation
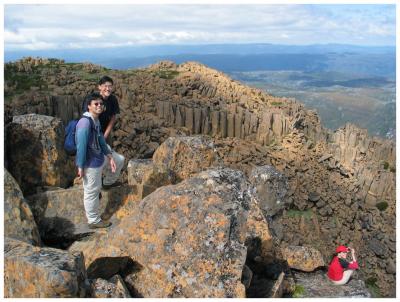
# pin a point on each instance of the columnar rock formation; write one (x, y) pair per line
(364, 157)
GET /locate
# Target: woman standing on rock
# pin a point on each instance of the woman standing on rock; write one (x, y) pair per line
(340, 270)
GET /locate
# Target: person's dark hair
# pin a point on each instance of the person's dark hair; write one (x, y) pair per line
(92, 97)
(105, 79)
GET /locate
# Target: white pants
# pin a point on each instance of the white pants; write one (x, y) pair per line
(346, 276)
(91, 190)
(109, 177)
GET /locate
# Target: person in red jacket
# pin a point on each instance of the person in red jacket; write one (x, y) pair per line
(340, 270)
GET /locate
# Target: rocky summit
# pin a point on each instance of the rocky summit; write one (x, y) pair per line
(227, 191)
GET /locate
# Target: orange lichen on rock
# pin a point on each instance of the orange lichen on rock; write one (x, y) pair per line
(189, 238)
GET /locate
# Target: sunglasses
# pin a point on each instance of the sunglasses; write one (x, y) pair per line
(98, 104)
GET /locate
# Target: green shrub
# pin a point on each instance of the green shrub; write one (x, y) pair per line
(373, 288)
(298, 291)
(276, 103)
(385, 165)
(371, 280)
(297, 213)
(167, 74)
(382, 205)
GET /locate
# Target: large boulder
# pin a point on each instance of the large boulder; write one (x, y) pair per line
(271, 187)
(186, 155)
(188, 239)
(176, 159)
(34, 272)
(317, 285)
(304, 258)
(147, 177)
(19, 222)
(60, 214)
(35, 154)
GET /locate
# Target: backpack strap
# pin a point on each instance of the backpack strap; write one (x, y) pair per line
(92, 131)
(90, 121)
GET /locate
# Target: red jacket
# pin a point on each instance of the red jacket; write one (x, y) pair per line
(335, 270)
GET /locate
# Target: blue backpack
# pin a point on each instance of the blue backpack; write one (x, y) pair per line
(69, 138)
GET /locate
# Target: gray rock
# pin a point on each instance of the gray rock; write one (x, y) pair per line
(113, 288)
(321, 203)
(323, 211)
(377, 247)
(317, 285)
(271, 187)
(19, 222)
(390, 267)
(313, 196)
(247, 275)
(324, 157)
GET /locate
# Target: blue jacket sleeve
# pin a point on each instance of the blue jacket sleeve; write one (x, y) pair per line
(103, 145)
(82, 138)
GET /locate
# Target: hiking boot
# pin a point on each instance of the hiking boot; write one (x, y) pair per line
(115, 184)
(100, 224)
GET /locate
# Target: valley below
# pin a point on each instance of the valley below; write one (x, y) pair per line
(369, 102)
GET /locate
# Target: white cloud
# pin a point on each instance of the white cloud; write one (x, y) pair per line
(78, 26)
(94, 35)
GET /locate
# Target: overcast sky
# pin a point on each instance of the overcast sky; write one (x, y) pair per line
(87, 26)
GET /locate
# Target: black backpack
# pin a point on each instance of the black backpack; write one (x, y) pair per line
(70, 131)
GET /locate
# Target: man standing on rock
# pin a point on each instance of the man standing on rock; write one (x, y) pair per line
(340, 270)
(107, 120)
(91, 155)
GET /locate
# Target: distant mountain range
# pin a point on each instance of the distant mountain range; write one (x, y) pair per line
(360, 60)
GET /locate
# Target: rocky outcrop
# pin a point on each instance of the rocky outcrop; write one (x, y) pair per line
(351, 145)
(35, 272)
(263, 126)
(303, 258)
(271, 187)
(60, 213)
(44, 162)
(19, 222)
(317, 285)
(371, 160)
(189, 238)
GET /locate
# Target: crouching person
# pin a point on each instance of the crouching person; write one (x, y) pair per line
(92, 156)
(340, 270)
